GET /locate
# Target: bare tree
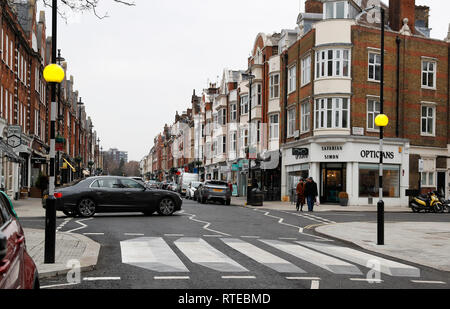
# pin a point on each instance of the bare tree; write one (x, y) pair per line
(85, 5)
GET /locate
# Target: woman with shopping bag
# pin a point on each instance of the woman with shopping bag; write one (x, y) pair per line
(311, 194)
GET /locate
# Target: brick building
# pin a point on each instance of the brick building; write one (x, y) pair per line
(315, 95)
(25, 102)
(329, 120)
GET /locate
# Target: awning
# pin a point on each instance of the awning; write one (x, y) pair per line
(9, 153)
(270, 160)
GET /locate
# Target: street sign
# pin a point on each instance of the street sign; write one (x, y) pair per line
(14, 131)
(421, 166)
(14, 141)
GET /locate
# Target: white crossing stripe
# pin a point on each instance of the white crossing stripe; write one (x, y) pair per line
(101, 278)
(315, 285)
(171, 278)
(367, 260)
(151, 253)
(261, 256)
(200, 252)
(428, 282)
(324, 261)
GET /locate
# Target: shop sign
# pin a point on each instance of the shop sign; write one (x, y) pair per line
(358, 131)
(421, 166)
(372, 154)
(39, 160)
(14, 130)
(235, 167)
(300, 153)
(333, 148)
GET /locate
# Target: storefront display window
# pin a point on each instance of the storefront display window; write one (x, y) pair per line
(369, 180)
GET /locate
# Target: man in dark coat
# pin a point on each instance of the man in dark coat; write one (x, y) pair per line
(311, 193)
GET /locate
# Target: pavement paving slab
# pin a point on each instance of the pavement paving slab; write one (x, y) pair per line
(69, 248)
(423, 243)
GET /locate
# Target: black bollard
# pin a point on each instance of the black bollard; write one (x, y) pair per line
(380, 222)
(50, 230)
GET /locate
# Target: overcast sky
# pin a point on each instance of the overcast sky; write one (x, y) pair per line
(135, 69)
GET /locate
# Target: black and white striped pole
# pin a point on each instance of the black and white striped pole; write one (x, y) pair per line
(53, 74)
(381, 121)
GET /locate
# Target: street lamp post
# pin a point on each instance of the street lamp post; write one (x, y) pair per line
(53, 74)
(381, 121)
(80, 104)
(249, 77)
(60, 118)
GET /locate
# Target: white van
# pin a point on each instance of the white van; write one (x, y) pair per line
(184, 180)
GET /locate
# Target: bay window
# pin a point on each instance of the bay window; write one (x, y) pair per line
(244, 104)
(274, 86)
(333, 63)
(332, 113)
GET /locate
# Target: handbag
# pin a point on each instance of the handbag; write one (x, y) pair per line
(317, 201)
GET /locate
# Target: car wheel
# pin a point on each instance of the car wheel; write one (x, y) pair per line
(86, 208)
(166, 207)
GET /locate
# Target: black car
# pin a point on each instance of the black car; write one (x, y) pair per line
(114, 194)
(214, 190)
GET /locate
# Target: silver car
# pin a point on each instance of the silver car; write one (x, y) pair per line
(214, 190)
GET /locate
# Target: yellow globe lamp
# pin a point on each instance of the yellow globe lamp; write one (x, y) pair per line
(381, 120)
(53, 73)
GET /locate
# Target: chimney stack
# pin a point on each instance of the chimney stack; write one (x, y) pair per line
(399, 10)
(313, 6)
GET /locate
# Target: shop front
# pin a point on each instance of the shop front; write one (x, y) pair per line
(350, 165)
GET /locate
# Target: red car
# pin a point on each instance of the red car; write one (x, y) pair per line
(17, 269)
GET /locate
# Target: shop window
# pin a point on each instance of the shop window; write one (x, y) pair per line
(369, 180)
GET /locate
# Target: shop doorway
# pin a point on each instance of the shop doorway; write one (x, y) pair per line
(333, 182)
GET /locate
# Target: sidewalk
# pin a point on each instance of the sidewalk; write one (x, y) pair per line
(423, 243)
(69, 246)
(278, 205)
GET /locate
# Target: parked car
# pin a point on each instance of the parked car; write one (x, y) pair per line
(192, 188)
(17, 268)
(214, 190)
(114, 194)
(153, 184)
(184, 180)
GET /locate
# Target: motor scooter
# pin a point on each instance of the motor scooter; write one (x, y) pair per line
(429, 202)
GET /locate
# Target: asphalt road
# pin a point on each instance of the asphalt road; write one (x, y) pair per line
(228, 247)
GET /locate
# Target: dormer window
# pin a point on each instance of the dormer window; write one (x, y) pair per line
(336, 9)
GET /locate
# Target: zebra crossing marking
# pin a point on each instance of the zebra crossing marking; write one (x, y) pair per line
(151, 253)
(323, 261)
(388, 267)
(261, 256)
(200, 252)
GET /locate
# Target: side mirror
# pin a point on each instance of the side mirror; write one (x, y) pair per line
(3, 246)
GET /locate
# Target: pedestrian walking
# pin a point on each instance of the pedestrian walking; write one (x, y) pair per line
(300, 190)
(311, 193)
